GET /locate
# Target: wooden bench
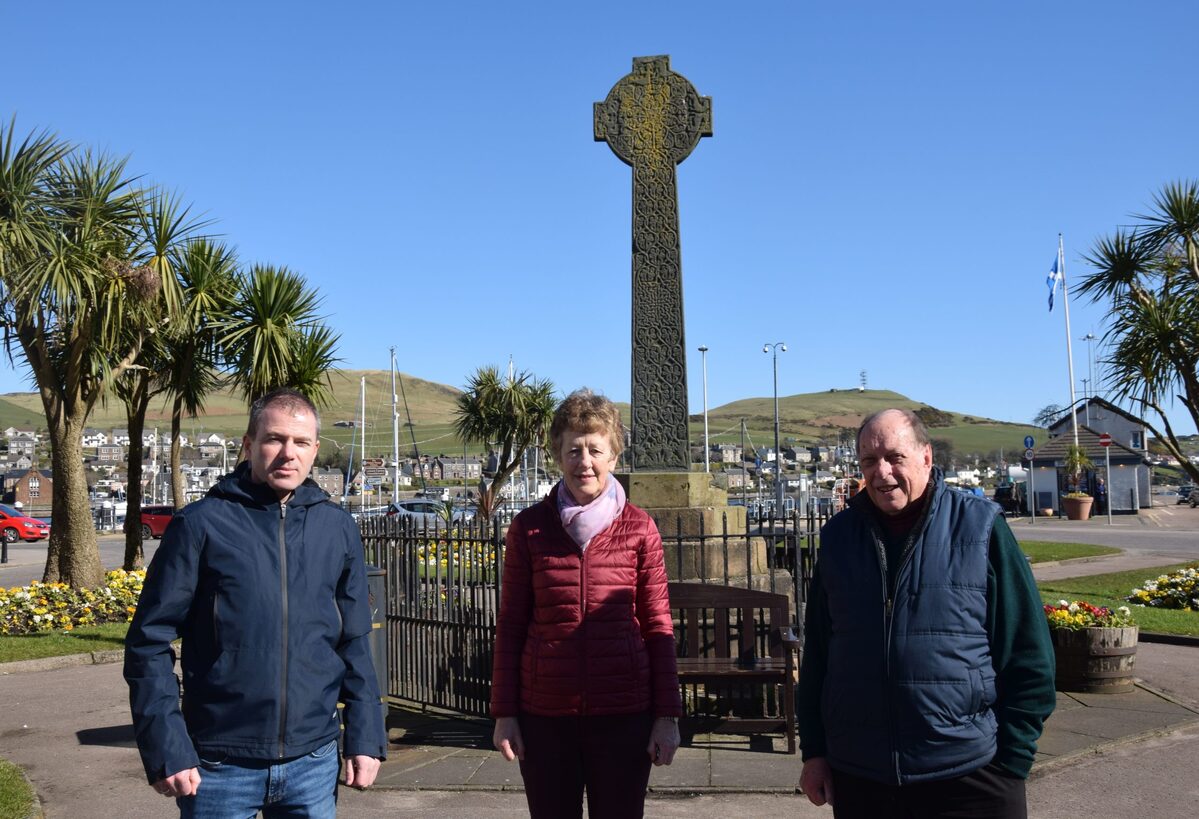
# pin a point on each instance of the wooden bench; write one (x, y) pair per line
(731, 638)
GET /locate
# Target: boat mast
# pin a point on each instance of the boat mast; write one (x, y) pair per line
(395, 432)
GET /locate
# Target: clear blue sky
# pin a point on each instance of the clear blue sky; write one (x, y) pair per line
(883, 192)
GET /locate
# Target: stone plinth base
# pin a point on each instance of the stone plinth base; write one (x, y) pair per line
(685, 506)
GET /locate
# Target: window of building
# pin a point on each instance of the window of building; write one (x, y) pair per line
(35, 487)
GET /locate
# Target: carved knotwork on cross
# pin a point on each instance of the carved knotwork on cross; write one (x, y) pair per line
(652, 119)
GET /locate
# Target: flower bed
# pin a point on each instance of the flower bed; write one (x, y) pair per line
(1179, 590)
(1079, 614)
(56, 606)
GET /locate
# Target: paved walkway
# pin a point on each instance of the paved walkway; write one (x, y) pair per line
(1107, 755)
(69, 728)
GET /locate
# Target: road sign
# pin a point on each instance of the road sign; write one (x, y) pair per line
(374, 471)
(1028, 442)
(1105, 439)
(1028, 453)
(372, 462)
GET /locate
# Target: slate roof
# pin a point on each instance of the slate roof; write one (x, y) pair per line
(1055, 448)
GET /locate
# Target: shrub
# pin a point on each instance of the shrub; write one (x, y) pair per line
(42, 607)
(1079, 614)
(1179, 590)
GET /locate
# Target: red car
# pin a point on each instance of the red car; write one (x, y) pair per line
(155, 520)
(16, 526)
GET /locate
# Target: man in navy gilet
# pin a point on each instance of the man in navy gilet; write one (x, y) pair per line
(927, 668)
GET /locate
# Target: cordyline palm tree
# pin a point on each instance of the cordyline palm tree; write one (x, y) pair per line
(1149, 275)
(164, 225)
(274, 337)
(511, 414)
(208, 276)
(81, 250)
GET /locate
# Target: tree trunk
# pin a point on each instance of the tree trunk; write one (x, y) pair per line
(136, 418)
(178, 492)
(72, 556)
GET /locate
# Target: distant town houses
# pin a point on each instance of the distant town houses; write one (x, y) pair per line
(332, 481)
(725, 453)
(443, 468)
(22, 443)
(29, 487)
(93, 438)
(110, 453)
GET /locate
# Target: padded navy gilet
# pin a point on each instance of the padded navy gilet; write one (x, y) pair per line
(908, 697)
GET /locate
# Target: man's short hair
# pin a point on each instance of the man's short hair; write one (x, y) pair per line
(284, 398)
(919, 430)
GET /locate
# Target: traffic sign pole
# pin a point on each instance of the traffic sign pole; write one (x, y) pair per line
(1107, 470)
(1028, 453)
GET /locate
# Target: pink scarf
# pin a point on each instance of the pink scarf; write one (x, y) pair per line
(583, 523)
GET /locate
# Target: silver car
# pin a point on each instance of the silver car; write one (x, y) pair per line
(426, 512)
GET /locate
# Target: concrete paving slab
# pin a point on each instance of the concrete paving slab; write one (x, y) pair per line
(689, 770)
(497, 772)
(753, 772)
(445, 771)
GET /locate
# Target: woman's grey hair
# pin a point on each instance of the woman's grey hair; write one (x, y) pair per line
(585, 411)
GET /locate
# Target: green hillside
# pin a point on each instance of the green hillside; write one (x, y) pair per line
(806, 418)
(820, 417)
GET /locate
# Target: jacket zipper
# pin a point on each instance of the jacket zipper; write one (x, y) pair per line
(283, 607)
(583, 626)
(889, 611)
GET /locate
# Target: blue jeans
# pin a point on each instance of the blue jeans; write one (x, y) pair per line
(235, 788)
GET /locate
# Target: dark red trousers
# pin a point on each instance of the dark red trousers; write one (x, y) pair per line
(604, 755)
(988, 793)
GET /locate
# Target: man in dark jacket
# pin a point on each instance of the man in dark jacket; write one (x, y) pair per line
(264, 581)
(928, 668)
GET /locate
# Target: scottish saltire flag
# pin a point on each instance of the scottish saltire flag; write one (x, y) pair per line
(1055, 276)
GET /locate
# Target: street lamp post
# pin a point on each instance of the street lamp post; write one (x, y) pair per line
(1089, 338)
(703, 350)
(778, 454)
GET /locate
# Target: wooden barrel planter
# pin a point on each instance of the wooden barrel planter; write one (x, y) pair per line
(1095, 660)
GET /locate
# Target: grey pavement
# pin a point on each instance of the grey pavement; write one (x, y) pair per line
(1104, 755)
(69, 728)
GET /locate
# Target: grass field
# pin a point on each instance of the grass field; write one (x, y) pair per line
(1041, 551)
(104, 637)
(16, 799)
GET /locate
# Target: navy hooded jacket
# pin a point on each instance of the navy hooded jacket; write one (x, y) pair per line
(270, 601)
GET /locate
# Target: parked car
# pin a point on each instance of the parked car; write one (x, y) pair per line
(155, 520)
(14, 525)
(1185, 493)
(425, 511)
(1010, 497)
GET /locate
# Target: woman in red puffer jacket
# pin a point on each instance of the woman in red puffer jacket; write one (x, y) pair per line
(585, 691)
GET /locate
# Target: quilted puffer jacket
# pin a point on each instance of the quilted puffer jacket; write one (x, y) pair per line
(584, 632)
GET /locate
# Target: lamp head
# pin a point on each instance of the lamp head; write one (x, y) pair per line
(703, 348)
(765, 348)
(783, 347)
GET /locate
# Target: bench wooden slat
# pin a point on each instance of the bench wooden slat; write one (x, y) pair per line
(710, 658)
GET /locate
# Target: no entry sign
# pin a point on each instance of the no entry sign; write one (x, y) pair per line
(1105, 440)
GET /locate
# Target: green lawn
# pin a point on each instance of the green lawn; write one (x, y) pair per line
(1111, 589)
(1042, 551)
(16, 799)
(56, 643)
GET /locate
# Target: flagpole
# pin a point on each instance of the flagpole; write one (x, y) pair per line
(1061, 266)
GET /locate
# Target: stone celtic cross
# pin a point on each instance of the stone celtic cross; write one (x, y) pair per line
(652, 119)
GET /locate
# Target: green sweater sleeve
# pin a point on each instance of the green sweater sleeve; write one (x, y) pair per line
(813, 668)
(1021, 651)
